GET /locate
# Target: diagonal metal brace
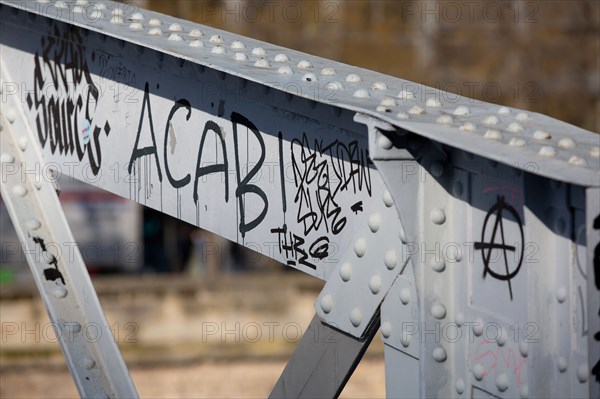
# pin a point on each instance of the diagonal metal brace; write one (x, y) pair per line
(323, 362)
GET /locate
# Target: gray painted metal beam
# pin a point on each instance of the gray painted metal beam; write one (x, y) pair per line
(323, 362)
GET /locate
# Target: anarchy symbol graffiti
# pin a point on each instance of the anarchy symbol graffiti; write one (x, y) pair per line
(487, 247)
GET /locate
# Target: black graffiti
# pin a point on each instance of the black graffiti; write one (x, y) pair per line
(320, 174)
(292, 247)
(65, 98)
(498, 208)
(244, 187)
(50, 273)
(358, 207)
(148, 150)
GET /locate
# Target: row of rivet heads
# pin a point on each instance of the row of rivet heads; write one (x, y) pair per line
(21, 191)
(375, 283)
(490, 122)
(490, 126)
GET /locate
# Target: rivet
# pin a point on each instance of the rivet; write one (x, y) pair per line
(137, 17)
(524, 391)
(196, 43)
(152, 22)
(360, 247)
(11, 115)
(361, 93)
(382, 108)
(577, 161)
(23, 143)
(175, 37)
(522, 116)
(374, 222)
(478, 371)
(433, 102)
(37, 182)
(582, 373)
(59, 291)
(216, 39)
(457, 188)
(468, 127)
(561, 294)
(346, 271)
(116, 11)
(502, 382)
(515, 127)
(439, 354)
(402, 115)
(327, 303)
(388, 102)
(387, 198)
(501, 338)
(405, 296)
(504, 111)
(460, 386)
(240, 57)
(356, 317)
(281, 58)
(195, 33)
(386, 329)
(562, 364)
(478, 327)
(19, 190)
(88, 363)
(438, 311)
(459, 319)
(379, 86)
(462, 110)
(390, 259)
(444, 120)
(237, 45)
(406, 95)
(334, 86)
(262, 63)
(595, 152)
(416, 110)
(541, 135)
(436, 169)
(259, 51)
(6, 158)
(437, 216)
(304, 64)
(517, 142)
(402, 235)
(523, 348)
(353, 78)
(566, 143)
(492, 134)
(438, 265)
(375, 284)
(60, 4)
(218, 50)
(175, 27)
(384, 142)
(155, 32)
(327, 71)
(285, 70)
(405, 339)
(491, 120)
(455, 253)
(137, 26)
(547, 151)
(33, 224)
